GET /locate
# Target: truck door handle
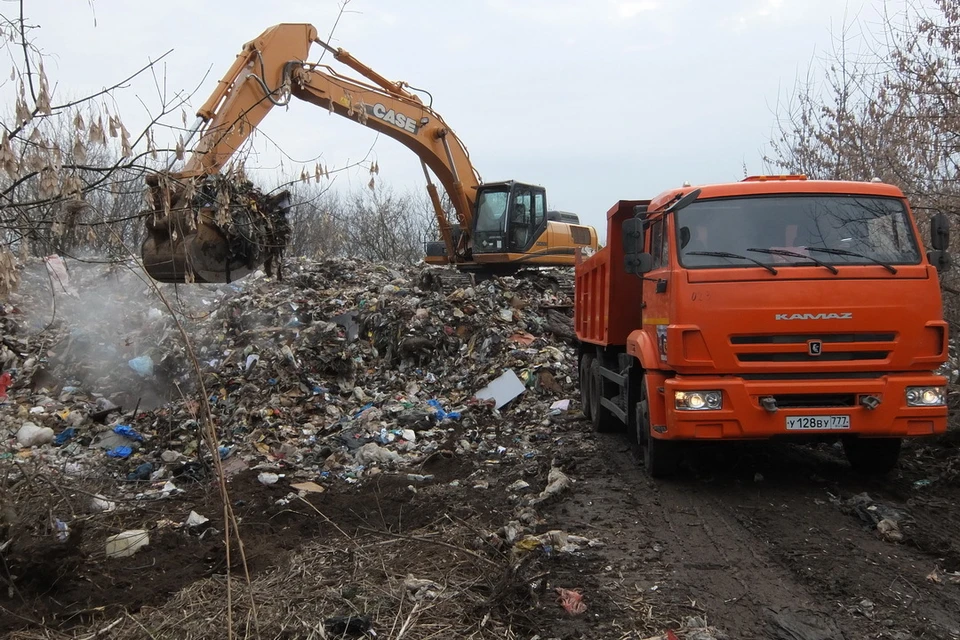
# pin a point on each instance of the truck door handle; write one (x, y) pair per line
(661, 286)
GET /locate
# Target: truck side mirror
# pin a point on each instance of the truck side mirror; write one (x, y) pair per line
(638, 263)
(940, 232)
(940, 260)
(631, 234)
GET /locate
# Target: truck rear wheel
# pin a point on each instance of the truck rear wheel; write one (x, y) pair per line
(873, 456)
(586, 361)
(603, 421)
(660, 457)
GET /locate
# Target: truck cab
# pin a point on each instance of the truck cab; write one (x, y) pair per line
(776, 307)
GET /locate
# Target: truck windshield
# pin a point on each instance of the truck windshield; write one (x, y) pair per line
(796, 230)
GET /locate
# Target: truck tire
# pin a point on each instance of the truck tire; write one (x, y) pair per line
(661, 458)
(872, 456)
(603, 421)
(586, 361)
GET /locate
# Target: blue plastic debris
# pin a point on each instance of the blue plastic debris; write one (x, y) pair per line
(369, 405)
(142, 365)
(65, 436)
(440, 413)
(224, 452)
(127, 431)
(120, 452)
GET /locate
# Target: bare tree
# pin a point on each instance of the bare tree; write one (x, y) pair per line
(383, 226)
(71, 173)
(885, 107)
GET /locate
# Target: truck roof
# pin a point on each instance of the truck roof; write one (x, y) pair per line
(762, 185)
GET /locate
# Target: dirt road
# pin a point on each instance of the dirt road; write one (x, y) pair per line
(759, 540)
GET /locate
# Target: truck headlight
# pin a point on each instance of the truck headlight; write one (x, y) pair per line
(698, 400)
(926, 396)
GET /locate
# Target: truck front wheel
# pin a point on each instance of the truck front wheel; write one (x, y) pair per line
(586, 362)
(874, 456)
(660, 457)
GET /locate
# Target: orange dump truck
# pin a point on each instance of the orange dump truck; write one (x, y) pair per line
(775, 307)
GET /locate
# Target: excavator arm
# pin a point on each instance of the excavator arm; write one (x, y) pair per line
(190, 237)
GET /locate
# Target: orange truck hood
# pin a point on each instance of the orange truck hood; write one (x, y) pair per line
(771, 325)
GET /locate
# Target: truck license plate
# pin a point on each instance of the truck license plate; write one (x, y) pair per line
(813, 423)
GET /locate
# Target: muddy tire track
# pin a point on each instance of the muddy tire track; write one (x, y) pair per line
(754, 538)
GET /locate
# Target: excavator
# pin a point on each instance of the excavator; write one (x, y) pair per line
(201, 229)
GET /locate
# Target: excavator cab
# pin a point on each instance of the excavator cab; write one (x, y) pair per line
(510, 216)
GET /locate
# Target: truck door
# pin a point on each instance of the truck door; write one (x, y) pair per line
(656, 303)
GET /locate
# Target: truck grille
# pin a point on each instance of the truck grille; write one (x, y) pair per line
(836, 347)
(813, 401)
(803, 338)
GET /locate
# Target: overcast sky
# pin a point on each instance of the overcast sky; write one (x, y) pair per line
(597, 100)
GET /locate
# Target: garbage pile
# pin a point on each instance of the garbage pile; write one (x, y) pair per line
(340, 372)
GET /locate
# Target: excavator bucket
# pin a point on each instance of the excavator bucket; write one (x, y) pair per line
(219, 229)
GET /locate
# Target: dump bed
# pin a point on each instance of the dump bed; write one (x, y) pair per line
(599, 316)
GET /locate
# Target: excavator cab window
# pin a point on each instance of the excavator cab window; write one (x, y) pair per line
(491, 220)
(509, 217)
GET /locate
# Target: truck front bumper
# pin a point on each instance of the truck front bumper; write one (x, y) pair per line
(824, 408)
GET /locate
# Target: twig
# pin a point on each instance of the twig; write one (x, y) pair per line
(429, 541)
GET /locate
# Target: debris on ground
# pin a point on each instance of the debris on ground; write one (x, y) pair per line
(344, 377)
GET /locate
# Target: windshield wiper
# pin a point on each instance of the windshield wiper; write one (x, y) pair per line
(726, 254)
(794, 254)
(854, 254)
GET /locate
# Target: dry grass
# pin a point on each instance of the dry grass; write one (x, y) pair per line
(367, 577)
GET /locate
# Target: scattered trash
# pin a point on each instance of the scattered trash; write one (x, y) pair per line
(421, 589)
(65, 436)
(440, 413)
(557, 482)
(127, 543)
(127, 432)
(572, 601)
(889, 530)
(934, 576)
(59, 277)
(5, 381)
(307, 487)
(195, 521)
(32, 435)
(268, 479)
(502, 390)
(348, 625)
(143, 365)
(372, 453)
(519, 485)
(561, 405)
(99, 504)
(62, 529)
(871, 512)
(120, 452)
(141, 473)
(758, 477)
